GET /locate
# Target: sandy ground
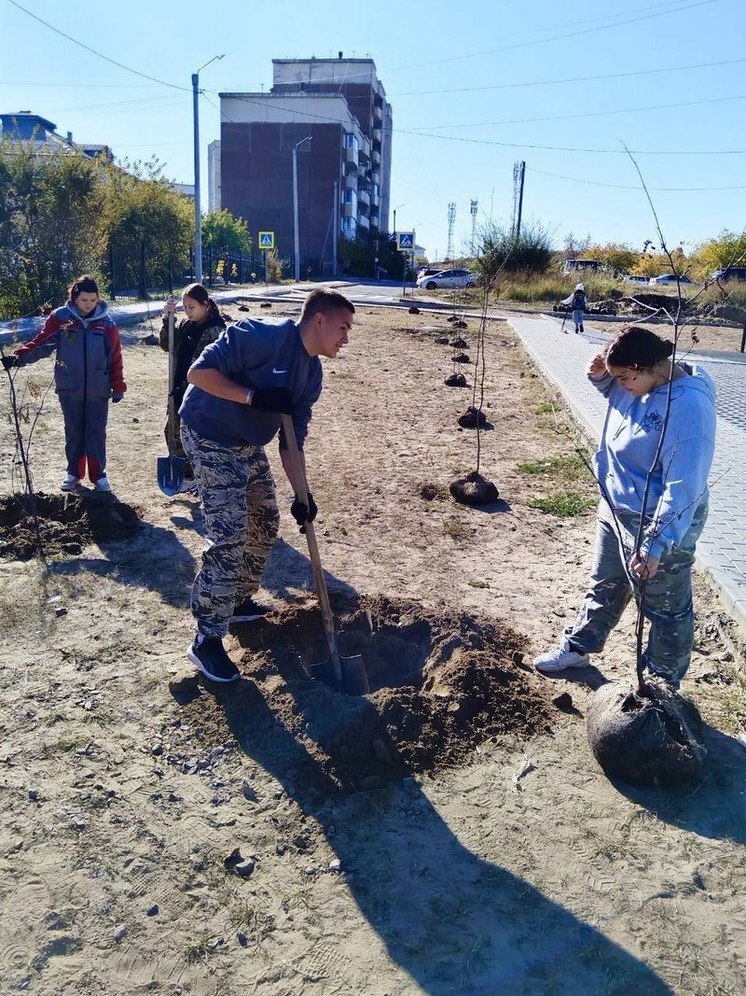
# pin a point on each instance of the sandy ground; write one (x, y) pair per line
(118, 809)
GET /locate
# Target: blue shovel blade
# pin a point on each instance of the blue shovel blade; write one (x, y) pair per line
(170, 473)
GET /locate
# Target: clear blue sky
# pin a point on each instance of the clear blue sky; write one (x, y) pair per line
(463, 109)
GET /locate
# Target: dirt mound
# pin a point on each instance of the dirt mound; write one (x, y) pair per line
(442, 683)
(66, 523)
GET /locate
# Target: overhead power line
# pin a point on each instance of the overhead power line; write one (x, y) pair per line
(93, 51)
(627, 186)
(588, 114)
(572, 34)
(572, 79)
(486, 141)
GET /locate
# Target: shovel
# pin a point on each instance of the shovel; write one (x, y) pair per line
(345, 673)
(171, 469)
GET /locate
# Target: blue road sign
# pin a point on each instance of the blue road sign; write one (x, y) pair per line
(266, 240)
(405, 241)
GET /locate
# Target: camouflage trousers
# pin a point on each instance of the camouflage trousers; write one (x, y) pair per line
(668, 596)
(241, 521)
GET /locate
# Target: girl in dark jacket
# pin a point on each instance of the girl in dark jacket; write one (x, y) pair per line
(201, 326)
(87, 373)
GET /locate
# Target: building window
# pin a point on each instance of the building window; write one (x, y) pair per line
(351, 142)
(349, 228)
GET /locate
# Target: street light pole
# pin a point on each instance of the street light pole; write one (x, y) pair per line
(296, 244)
(197, 211)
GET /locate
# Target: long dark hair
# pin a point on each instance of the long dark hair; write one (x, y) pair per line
(638, 348)
(199, 293)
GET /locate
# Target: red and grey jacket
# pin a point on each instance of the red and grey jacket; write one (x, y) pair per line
(89, 352)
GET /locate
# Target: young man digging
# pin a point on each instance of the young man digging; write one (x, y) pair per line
(240, 387)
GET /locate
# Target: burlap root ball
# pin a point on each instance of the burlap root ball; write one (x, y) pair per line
(646, 741)
(455, 380)
(472, 418)
(473, 489)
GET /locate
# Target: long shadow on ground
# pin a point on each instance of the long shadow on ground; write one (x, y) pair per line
(714, 808)
(154, 559)
(453, 921)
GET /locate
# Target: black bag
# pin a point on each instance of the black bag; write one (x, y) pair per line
(654, 740)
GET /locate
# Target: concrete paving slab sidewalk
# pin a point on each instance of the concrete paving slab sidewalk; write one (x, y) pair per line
(562, 359)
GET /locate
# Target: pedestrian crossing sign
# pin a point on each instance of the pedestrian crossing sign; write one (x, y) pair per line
(266, 240)
(405, 241)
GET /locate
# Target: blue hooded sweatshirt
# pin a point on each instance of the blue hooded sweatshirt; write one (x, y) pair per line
(631, 433)
(257, 353)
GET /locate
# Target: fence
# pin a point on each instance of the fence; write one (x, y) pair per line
(135, 277)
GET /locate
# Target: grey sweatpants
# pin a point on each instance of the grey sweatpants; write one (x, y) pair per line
(241, 521)
(668, 596)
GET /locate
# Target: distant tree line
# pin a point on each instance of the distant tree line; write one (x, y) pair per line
(533, 254)
(62, 215)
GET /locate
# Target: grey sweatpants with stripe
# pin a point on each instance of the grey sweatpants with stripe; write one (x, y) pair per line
(241, 521)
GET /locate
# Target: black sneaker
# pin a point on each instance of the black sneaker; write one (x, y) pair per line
(248, 611)
(208, 653)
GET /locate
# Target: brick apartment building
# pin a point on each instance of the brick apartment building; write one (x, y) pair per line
(335, 114)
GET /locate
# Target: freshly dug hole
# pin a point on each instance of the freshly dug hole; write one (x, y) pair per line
(66, 523)
(441, 684)
(646, 741)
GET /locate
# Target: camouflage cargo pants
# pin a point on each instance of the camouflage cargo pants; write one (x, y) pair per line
(241, 521)
(668, 596)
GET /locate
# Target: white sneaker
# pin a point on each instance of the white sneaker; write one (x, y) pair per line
(70, 482)
(560, 659)
(102, 484)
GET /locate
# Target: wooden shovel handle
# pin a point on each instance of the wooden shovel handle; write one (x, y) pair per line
(171, 377)
(296, 467)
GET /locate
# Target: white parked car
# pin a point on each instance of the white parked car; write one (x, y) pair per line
(670, 278)
(632, 279)
(448, 278)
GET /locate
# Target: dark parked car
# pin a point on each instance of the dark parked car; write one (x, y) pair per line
(730, 273)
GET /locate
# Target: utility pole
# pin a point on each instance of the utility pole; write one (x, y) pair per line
(295, 205)
(451, 220)
(473, 209)
(519, 173)
(197, 211)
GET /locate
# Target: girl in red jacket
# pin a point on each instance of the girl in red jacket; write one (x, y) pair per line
(87, 372)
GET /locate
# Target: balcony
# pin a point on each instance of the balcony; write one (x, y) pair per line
(377, 137)
(377, 112)
(351, 156)
(375, 177)
(375, 200)
(376, 157)
(378, 101)
(350, 181)
(349, 210)
(363, 197)
(362, 221)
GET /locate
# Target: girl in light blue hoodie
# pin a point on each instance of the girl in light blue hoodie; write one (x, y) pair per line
(652, 466)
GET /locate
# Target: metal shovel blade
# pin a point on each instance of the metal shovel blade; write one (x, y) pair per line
(353, 678)
(170, 472)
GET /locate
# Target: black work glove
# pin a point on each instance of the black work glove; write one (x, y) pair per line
(273, 399)
(11, 360)
(117, 397)
(303, 513)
